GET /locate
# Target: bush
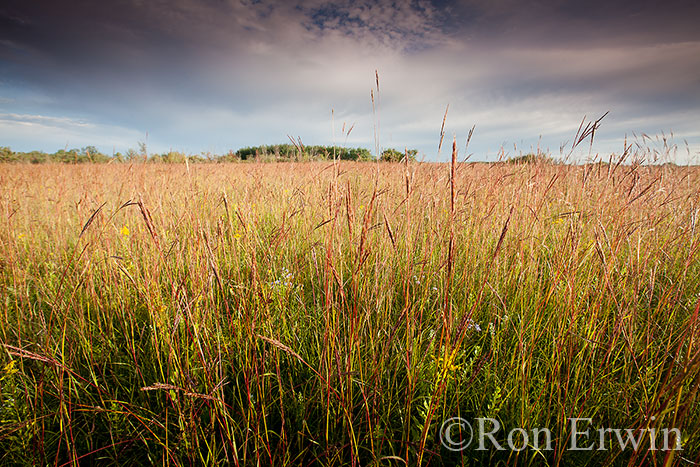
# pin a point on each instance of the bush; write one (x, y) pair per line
(174, 157)
(7, 155)
(531, 158)
(392, 155)
(281, 152)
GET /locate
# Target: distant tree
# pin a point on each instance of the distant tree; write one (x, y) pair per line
(246, 153)
(531, 158)
(173, 157)
(230, 156)
(37, 157)
(7, 155)
(132, 155)
(89, 151)
(392, 155)
(91, 154)
(355, 154)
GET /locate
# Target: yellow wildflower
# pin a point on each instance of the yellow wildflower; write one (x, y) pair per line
(9, 370)
(446, 363)
(125, 231)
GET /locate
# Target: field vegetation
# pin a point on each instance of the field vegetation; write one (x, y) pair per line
(330, 314)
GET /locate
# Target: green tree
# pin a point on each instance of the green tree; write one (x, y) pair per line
(7, 155)
(392, 155)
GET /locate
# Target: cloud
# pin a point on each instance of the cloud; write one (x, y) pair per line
(43, 120)
(401, 25)
(49, 133)
(199, 75)
(577, 25)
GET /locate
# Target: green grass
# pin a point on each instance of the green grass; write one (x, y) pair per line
(297, 314)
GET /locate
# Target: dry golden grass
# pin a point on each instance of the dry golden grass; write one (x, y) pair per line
(303, 313)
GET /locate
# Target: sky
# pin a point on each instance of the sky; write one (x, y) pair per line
(217, 75)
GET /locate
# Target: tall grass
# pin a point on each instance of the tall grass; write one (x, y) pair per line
(297, 314)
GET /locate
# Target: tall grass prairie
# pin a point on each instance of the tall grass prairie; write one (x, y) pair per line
(338, 314)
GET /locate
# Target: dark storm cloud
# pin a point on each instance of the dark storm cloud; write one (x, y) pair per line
(577, 23)
(185, 56)
(226, 73)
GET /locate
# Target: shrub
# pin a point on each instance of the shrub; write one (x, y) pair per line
(531, 158)
(392, 155)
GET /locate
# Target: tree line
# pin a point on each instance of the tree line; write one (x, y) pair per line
(263, 153)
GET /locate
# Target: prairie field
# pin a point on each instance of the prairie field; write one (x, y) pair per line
(338, 314)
